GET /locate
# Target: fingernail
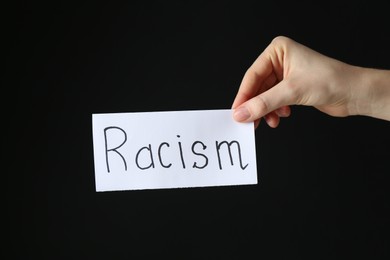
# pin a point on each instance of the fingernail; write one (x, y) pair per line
(241, 114)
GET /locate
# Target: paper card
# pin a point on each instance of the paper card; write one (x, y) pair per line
(177, 149)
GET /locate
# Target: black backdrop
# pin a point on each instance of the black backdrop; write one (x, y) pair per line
(323, 181)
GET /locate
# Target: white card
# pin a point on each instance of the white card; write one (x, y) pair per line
(177, 149)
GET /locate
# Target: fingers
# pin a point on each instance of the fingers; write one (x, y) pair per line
(273, 118)
(257, 122)
(260, 94)
(253, 80)
(264, 72)
(277, 98)
(284, 111)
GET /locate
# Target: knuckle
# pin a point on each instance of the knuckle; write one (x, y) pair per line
(260, 107)
(281, 40)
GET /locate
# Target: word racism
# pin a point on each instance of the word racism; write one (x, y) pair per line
(157, 155)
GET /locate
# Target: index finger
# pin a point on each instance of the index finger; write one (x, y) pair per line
(253, 79)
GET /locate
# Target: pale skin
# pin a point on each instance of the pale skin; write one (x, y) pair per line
(289, 73)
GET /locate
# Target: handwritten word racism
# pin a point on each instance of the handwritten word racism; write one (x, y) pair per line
(195, 154)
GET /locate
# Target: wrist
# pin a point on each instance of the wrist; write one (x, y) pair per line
(372, 93)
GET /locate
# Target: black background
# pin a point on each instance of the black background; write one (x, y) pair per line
(323, 189)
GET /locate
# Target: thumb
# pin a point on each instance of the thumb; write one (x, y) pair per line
(264, 103)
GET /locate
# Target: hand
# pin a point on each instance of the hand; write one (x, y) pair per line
(288, 73)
